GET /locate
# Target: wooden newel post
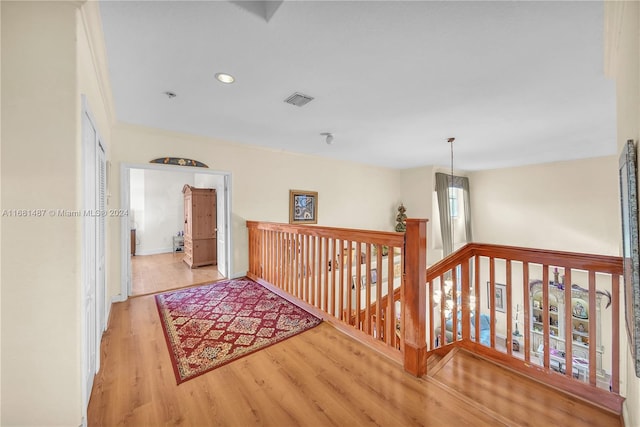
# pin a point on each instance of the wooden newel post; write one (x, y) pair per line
(414, 309)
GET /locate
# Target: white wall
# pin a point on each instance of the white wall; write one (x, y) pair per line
(46, 65)
(568, 206)
(351, 195)
(159, 213)
(416, 188)
(622, 53)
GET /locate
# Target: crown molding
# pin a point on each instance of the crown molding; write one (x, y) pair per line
(613, 20)
(92, 24)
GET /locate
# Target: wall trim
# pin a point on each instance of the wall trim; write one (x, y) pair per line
(92, 24)
(613, 18)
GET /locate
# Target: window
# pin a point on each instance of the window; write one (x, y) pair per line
(453, 202)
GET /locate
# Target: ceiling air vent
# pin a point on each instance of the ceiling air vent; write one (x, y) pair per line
(298, 99)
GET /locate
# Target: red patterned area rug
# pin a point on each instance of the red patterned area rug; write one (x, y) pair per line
(211, 325)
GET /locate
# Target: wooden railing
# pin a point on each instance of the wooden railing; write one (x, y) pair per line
(373, 286)
(460, 285)
(347, 276)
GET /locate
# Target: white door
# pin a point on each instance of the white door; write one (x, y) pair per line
(101, 285)
(93, 218)
(89, 265)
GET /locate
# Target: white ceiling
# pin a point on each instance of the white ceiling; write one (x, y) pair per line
(514, 82)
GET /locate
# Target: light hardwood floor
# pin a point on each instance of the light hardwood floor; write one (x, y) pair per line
(157, 273)
(318, 378)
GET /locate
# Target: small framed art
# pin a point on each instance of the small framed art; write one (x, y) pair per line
(303, 207)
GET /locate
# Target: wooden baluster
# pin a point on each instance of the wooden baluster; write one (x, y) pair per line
(545, 314)
(367, 291)
(568, 339)
(466, 301)
(592, 327)
(358, 323)
(443, 318)
(615, 333)
(478, 299)
(334, 268)
(492, 298)
(454, 299)
(390, 318)
(509, 339)
(379, 285)
(325, 265)
(430, 305)
(341, 266)
(350, 285)
(527, 312)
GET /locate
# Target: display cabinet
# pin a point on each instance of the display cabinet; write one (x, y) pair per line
(579, 328)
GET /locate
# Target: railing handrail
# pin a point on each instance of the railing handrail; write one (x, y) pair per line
(319, 265)
(601, 263)
(391, 238)
(469, 257)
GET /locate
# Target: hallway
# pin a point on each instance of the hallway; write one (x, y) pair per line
(151, 274)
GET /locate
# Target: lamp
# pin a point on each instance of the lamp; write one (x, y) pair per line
(328, 137)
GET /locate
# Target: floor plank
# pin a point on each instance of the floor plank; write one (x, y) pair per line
(529, 402)
(318, 378)
(161, 272)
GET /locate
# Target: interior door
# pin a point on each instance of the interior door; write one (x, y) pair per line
(94, 306)
(101, 285)
(89, 264)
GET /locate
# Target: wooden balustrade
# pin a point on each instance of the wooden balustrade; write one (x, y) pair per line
(331, 271)
(352, 277)
(477, 270)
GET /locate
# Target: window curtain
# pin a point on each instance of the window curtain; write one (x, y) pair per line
(443, 182)
(442, 190)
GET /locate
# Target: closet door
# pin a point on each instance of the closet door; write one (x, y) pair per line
(94, 301)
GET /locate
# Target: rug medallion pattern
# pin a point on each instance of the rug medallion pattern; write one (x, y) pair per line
(211, 325)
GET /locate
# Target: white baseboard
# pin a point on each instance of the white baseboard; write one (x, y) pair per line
(155, 251)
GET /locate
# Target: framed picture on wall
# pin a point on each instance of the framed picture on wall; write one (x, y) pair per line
(630, 251)
(303, 207)
(499, 297)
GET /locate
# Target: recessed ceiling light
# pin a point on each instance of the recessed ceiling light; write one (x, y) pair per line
(225, 78)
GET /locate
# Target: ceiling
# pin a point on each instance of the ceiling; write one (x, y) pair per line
(515, 82)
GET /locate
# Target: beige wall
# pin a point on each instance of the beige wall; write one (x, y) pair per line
(622, 53)
(40, 256)
(47, 62)
(349, 195)
(569, 206)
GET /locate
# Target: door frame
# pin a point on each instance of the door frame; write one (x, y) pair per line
(93, 244)
(224, 197)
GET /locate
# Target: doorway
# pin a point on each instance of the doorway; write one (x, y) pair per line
(152, 195)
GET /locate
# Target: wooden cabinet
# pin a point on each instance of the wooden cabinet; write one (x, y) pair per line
(580, 311)
(200, 226)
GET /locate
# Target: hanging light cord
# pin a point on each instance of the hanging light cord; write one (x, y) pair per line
(450, 140)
